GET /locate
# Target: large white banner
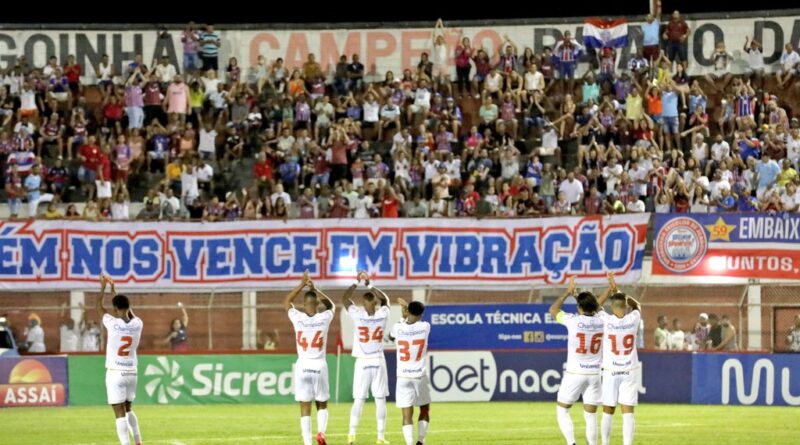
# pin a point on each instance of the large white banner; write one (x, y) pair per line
(455, 253)
(381, 50)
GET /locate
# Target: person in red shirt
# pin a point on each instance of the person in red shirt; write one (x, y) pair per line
(103, 179)
(73, 72)
(263, 172)
(676, 35)
(390, 204)
(90, 156)
(112, 113)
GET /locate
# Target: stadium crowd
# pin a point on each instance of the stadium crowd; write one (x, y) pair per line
(513, 134)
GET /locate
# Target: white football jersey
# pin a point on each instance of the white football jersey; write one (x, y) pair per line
(311, 333)
(619, 343)
(412, 348)
(368, 331)
(122, 343)
(584, 344)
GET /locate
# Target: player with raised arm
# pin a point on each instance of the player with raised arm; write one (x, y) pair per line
(124, 332)
(369, 324)
(311, 370)
(413, 389)
(582, 374)
(621, 367)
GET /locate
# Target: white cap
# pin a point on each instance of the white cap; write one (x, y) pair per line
(703, 316)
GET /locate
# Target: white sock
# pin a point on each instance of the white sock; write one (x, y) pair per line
(122, 431)
(355, 414)
(605, 427)
(380, 416)
(628, 425)
(133, 422)
(408, 434)
(322, 420)
(565, 423)
(423, 430)
(305, 429)
(591, 427)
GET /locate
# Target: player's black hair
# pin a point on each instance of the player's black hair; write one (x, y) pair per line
(416, 308)
(121, 302)
(618, 298)
(310, 294)
(369, 296)
(713, 317)
(587, 302)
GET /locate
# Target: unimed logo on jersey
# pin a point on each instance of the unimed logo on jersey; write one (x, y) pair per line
(30, 383)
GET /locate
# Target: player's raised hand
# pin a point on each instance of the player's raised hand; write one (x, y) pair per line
(306, 278)
(611, 282)
(402, 302)
(572, 286)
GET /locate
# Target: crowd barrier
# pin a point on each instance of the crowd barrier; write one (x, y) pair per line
(455, 376)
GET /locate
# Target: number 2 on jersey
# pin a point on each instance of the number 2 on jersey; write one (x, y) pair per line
(364, 337)
(125, 348)
(594, 348)
(627, 343)
(405, 349)
(316, 342)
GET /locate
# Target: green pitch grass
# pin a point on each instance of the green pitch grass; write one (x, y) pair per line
(451, 423)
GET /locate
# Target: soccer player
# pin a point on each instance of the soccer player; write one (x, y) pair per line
(311, 370)
(369, 323)
(124, 331)
(411, 337)
(621, 368)
(582, 374)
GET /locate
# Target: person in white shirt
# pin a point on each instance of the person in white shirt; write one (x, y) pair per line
(190, 190)
(165, 71)
(677, 338)
(755, 60)
(612, 173)
(661, 334)
(371, 110)
(700, 151)
(621, 366)
(311, 370)
(790, 199)
(401, 141)
(370, 373)
(120, 208)
(124, 330)
(279, 193)
(363, 205)
(70, 334)
(720, 149)
(413, 387)
(34, 335)
(205, 176)
(572, 189)
(534, 80)
(793, 338)
(90, 333)
(207, 147)
(582, 372)
(422, 101)
(638, 175)
(636, 206)
(789, 60)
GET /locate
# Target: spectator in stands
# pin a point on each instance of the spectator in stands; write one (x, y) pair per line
(755, 61)
(177, 338)
(793, 337)
(34, 335)
(210, 43)
(676, 35)
(464, 54)
(728, 336)
(69, 334)
(677, 338)
(651, 32)
(567, 51)
(191, 42)
(661, 334)
(355, 75)
(788, 65)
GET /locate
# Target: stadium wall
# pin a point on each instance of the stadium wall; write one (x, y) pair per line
(382, 46)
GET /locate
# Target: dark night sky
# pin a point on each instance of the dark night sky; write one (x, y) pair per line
(356, 10)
